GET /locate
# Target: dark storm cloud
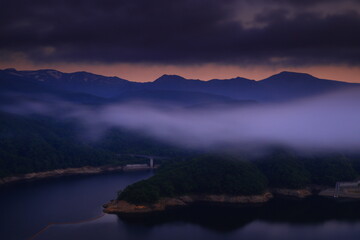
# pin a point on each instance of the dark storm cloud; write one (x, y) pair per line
(188, 31)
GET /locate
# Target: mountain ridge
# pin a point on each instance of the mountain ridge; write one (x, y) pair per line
(172, 77)
(284, 86)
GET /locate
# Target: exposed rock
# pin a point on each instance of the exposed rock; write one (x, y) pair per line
(61, 172)
(298, 193)
(124, 207)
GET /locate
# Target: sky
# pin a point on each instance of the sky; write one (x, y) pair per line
(140, 40)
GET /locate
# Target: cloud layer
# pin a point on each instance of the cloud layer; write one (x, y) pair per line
(284, 32)
(325, 123)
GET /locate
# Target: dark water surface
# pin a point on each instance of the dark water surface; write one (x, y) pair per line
(28, 207)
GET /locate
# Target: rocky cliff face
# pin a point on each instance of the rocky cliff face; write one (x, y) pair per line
(164, 203)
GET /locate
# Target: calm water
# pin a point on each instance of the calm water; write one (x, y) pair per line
(28, 207)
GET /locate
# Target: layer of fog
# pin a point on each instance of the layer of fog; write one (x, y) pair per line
(325, 123)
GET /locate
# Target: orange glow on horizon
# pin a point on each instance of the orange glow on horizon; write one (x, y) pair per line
(146, 73)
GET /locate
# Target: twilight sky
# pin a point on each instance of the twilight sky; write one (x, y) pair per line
(140, 39)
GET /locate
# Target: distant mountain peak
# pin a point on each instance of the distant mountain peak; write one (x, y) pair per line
(290, 76)
(294, 75)
(53, 73)
(10, 70)
(238, 79)
(166, 78)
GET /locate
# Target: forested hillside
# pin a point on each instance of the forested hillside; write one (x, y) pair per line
(34, 143)
(219, 174)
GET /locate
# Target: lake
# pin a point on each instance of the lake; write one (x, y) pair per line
(28, 207)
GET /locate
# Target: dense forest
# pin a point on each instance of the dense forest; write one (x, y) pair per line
(210, 174)
(37, 143)
(285, 169)
(233, 176)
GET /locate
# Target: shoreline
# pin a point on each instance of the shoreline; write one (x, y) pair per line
(123, 207)
(86, 170)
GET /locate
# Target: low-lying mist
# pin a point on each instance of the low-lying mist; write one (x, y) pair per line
(325, 123)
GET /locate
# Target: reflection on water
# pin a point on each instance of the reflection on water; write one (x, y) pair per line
(312, 211)
(28, 207)
(313, 218)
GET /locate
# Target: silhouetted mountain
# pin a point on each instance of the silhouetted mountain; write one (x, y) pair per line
(290, 85)
(168, 79)
(51, 80)
(236, 88)
(280, 87)
(91, 88)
